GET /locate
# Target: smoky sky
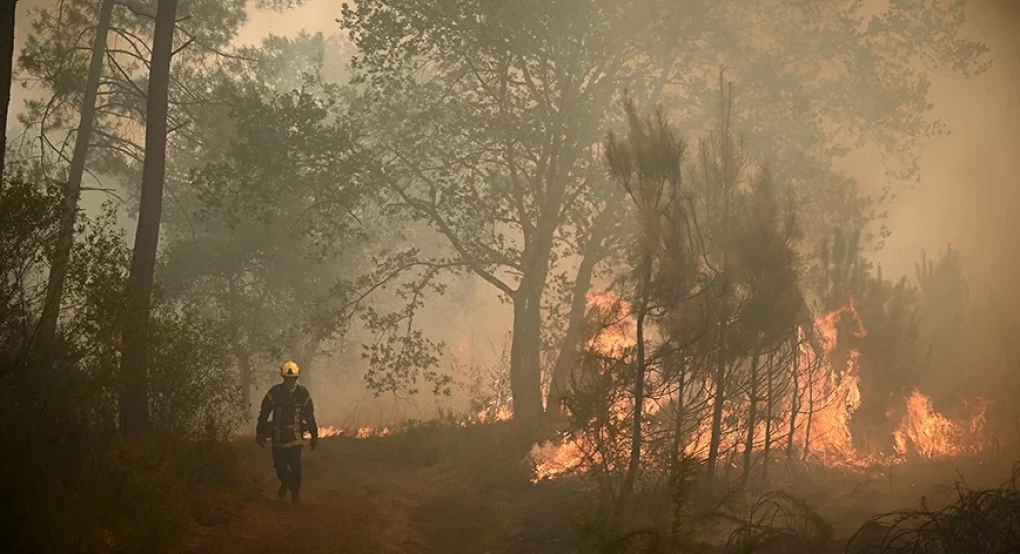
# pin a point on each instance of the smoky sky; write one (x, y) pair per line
(969, 188)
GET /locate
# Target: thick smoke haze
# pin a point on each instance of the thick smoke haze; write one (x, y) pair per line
(966, 196)
(534, 311)
(968, 185)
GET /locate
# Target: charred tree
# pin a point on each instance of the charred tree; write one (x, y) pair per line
(134, 408)
(752, 418)
(769, 410)
(794, 398)
(72, 191)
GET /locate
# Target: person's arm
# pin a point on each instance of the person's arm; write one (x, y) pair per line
(310, 424)
(263, 421)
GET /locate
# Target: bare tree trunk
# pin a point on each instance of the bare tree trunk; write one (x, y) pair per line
(244, 365)
(769, 410)
(634, 466)
(794, 400)
(6, 73)
(241, 352)
(719, 397)
(134, 408)
(677, 492)
(810, 411)
(752, 419)
(727, 183)
(65, 234)
(567, 358)
(525, 369)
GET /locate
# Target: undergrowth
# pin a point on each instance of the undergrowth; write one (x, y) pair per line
(985, 521)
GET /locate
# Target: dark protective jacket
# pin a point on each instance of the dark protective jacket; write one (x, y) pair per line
(292, 414)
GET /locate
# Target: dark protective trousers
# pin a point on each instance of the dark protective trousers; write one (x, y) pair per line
(287, 462)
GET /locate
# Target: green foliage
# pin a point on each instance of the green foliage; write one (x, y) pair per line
(29, 219)
(277, 221)
(56, 57)
(73, 488)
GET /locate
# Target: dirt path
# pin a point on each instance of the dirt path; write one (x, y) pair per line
(379, 496)
(349, 505)
(389, 496)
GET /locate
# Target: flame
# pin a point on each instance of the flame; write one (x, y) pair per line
(553, 460)
(502, 412)
(928, 434)
(363, 432)
(330, 431)
(826, 403)
(618, 331)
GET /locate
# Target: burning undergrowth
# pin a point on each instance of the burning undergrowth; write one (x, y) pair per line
(804, 397)
(487, 414)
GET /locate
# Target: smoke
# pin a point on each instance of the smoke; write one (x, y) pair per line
(966, 195)
(968, 188)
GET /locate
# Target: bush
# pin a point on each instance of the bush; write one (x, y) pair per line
(69, 485)
(986, 521)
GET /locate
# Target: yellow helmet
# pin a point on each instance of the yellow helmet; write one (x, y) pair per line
(290, 369)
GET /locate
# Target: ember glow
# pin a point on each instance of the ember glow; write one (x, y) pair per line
(827, 397)
(619, 330)
(362, 432)
(500, 413)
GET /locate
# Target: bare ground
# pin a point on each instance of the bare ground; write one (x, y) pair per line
(369, 496)
(469, 493)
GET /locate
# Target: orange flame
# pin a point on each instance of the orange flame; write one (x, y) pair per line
(928, 434)
(619, 330)
(827, 402)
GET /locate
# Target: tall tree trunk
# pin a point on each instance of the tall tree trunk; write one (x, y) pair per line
(241, 353)
(525, 348)
(134, 408)
(525, 364)
(810, 410)
(719, 397)
(567, 358)
(794, 398)
(677, 491)
(65, 233)
(244, 365)
(634, 466)
(6, 73)
(752, 419)
(769, 410)
(727, 183)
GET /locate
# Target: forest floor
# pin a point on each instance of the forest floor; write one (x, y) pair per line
(466, 491)
(389, 495)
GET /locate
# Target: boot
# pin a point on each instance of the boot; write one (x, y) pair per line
(283, 491)
(295, 497)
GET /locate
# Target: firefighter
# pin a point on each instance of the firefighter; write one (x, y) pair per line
(292, 411)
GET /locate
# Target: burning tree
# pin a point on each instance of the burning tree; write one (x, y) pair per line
(710, 350)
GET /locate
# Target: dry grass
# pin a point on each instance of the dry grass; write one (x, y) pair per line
(985, 521)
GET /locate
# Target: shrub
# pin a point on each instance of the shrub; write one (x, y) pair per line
(69, 485)
(986, 521)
